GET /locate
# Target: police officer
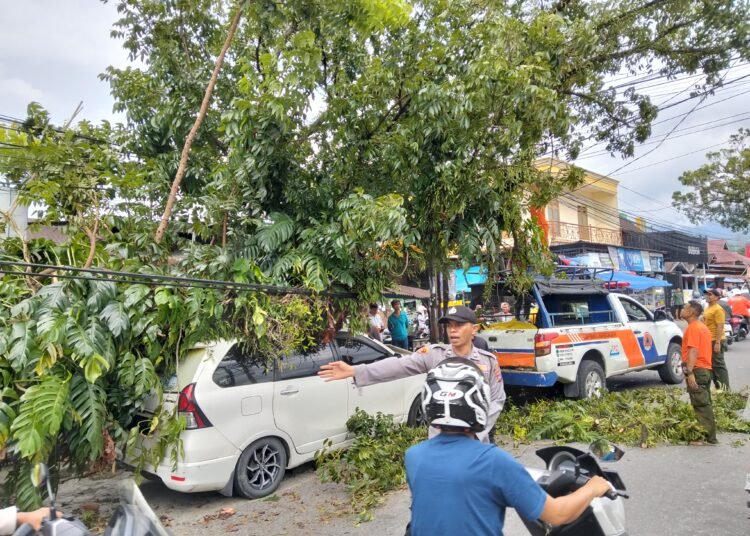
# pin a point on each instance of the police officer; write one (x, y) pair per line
(461, 323)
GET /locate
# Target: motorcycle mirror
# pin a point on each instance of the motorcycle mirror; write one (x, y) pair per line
(606, 451)
(39, 475)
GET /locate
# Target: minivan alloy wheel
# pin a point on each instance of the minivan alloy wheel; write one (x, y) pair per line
(263, 467)
(260, 468)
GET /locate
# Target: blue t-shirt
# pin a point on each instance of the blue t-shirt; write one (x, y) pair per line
(399, 326)
(462, 486)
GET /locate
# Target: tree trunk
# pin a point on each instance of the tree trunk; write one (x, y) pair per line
(194, 131)
(444, 301)
(434, 301)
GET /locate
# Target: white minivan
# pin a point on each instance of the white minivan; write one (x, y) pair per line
(246, 425)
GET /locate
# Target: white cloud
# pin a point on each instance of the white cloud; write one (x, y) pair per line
(17, 90)
(58, 49)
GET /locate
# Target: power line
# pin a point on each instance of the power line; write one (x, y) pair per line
(687, 131)
(607, 211)
(116, 276)
(585, 150)
(673, 128)
(16, 121)
(691, 153)
(660, 108)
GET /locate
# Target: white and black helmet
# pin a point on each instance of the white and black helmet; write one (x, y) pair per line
(455, 395)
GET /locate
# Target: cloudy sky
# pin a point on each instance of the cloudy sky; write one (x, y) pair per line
(52, 51)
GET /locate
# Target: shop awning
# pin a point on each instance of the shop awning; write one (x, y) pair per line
(403, 291)
(473, 276)
(637, 282)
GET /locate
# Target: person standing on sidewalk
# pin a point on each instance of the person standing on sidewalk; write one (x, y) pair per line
(714, 318)
(677, 302)
(696, 364)
(398, 325)
(375, 323)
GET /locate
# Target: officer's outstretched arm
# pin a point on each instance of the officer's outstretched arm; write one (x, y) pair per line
(336, 370)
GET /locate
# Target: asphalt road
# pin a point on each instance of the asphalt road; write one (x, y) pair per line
(674, 490)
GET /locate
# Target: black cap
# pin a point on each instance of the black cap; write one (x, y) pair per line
(460, 313)
(713, 291)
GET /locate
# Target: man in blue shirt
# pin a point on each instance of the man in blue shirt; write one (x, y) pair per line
(462, 486)
(398, 325)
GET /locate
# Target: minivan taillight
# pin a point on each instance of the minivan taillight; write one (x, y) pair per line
(188, 407)
(543, 343)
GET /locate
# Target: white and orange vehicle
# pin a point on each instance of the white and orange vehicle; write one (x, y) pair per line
(582, 335)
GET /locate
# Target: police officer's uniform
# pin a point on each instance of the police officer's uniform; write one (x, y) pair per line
(394, 368)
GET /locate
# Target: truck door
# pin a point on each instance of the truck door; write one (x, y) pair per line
(642, 325)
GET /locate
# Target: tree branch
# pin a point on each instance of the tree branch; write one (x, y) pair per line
(194, 131)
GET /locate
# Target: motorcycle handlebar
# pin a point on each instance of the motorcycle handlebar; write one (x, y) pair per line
(612, 494)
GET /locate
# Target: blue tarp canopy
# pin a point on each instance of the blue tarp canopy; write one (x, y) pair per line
(473, 276)
(637, 282)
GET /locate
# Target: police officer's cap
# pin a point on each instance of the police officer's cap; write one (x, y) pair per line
(459, 314)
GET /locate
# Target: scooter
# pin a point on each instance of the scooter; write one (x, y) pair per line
(739, 327)
(133, 516)
(569, 469)
(730, 332)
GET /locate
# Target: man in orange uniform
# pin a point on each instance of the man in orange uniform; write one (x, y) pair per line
(696, 364)
(739, 304)
(714, 319)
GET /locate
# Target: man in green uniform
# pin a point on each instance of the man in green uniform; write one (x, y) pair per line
(696, 364)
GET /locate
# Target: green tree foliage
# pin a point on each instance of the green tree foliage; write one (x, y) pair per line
(345, 143)
(446, 104)
(719, 190)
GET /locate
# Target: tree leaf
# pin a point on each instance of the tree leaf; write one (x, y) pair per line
(116, 318)
(42, 408)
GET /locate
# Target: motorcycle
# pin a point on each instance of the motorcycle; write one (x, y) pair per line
(133, 516)
(568, 469)
(739, 327)
(730, 332)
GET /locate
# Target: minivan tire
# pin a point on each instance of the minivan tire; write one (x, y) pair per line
(260, 468)
(671, 370)
(416, 416)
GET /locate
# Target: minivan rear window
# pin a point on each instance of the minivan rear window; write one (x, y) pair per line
(241, 368)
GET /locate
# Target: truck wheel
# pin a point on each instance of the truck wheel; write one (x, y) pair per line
(671, 370)
(591, 381)
(416, 416)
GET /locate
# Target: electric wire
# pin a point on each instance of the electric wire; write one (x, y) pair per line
(606, 210)
(116, 276)
(691, 153)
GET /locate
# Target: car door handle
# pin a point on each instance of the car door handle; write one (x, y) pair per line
(289, 391)
(637, 332)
